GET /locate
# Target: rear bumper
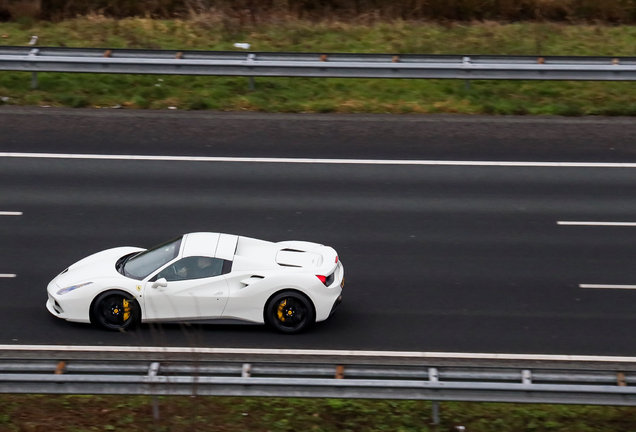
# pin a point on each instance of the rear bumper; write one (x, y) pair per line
(338, 283)
(335, 305)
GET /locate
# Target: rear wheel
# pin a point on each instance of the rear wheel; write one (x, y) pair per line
(115, 311)
(289, 312)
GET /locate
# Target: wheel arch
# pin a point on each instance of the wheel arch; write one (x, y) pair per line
(288, 290)
(112, 291)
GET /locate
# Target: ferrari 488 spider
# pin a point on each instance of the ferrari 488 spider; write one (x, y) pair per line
(202, 277)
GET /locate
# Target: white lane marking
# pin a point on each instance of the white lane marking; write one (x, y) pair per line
(317, 161)
(299, 352)
(10, 213)
(581, 223)
(7, 275)
(602, 286)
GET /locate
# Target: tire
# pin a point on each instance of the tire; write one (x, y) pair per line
(289, 312)
(109, 310)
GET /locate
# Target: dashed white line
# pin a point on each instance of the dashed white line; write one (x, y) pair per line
(582, 223)
(7, 275)
(602, 286)
(10, 213)
(317, 161)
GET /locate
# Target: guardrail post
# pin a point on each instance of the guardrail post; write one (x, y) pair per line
(339, 372)
(620, 379)
(526, 376)
(433, 376)
(251, 58)
(152, 371)
(435, 413)
(466, 61)
(246, 370)
(34, 75)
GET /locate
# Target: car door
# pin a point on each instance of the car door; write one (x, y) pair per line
(196, 289)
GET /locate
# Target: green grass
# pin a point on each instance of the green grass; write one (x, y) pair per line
(55, 413)
(326, 95)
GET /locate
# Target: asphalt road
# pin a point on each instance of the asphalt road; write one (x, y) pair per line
(438, 258)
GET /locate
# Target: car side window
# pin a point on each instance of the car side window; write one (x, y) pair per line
(197, 267)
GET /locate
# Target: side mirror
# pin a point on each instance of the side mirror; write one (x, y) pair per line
(160, 283)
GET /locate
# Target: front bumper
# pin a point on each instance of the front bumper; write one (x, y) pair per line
(70, 307)
(54, 307)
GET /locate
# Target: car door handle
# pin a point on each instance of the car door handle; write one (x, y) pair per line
(219, 293)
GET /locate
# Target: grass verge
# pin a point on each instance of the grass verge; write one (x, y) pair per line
(325, 95)
(53, 413)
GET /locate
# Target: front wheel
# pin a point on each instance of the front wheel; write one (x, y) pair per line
(115, 311)
(289, 312)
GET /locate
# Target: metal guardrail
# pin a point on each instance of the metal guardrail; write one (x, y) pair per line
(282, 376)
(320, 65)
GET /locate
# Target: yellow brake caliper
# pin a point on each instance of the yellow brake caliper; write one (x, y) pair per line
(280, 310)
(126, 309)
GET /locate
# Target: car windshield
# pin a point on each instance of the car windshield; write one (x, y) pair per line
(141, 265)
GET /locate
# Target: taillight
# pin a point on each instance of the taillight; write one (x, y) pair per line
(327, 280)
(336, 259)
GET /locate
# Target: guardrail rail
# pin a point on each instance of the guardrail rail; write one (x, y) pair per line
(333, 374)
(318, 65)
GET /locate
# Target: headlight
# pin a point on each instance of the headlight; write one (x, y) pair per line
(71, 288)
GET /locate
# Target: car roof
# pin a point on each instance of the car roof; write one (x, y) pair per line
(208, 244)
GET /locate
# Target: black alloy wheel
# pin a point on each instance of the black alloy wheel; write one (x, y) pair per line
(290, 312)
(115, 311)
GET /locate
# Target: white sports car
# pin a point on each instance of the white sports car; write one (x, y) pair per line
(202, 276)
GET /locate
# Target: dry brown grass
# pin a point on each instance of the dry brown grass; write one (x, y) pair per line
(361, 11)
